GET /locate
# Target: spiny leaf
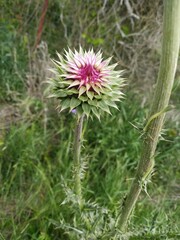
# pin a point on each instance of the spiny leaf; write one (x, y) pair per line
(111, 104)
(98, 96)
(82, 90)
(65, 104)
(96, 89)
(61, 93)
(96, 113)
(67, 82)
(74, 103)
(79, 110)
(83, 98)
(88, 86)
(93, 102)
(90, 94)
(86, 108)
(72, 91)
(74, 83)
(104, 106)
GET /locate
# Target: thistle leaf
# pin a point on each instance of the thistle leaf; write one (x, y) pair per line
(86, 108)
(74, 103)
(82, 90)
(88, 86)
(92, 102)
(72, 91)
(61, 93)
(96, 89)
(65, 104)
(90, 94)
(83, 98)
(96, 113)
(104, 106)
(74, 83)
(79, 110)
(111, 104)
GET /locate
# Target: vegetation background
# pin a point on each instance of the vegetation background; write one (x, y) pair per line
(36, 141)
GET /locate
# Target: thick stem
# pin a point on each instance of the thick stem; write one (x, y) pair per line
(77, 158)
(169, 57)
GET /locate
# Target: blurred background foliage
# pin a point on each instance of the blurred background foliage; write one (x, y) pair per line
(36, 141)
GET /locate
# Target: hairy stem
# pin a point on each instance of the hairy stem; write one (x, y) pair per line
(168, 64)
(77, 158)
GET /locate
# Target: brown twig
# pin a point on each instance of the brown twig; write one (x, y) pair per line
(41, 24)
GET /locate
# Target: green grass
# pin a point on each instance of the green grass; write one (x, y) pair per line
(33, 162)
(13, 62)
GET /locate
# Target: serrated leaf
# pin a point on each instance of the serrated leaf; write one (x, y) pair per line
(65, 104)
(82, 90)
(104, 106)
(74, 103)
(90, 94)
(86, 108)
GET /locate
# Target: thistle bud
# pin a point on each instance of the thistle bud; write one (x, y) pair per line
(85, 82)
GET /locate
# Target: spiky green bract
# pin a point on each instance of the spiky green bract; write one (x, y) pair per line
(85, 82)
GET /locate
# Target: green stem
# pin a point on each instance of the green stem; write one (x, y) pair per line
(77, 158)
(168, 64)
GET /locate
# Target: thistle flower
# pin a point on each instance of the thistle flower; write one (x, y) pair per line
(85, 82)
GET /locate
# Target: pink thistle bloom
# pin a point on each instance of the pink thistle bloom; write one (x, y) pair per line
(83, 80)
